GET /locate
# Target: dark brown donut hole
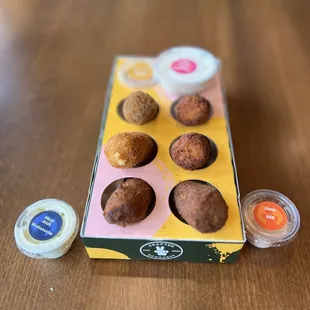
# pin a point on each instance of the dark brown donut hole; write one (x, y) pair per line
(173, 114)
(172, 202)
(213, 152)
(112, 187)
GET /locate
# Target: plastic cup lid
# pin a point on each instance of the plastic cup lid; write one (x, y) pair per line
(186, 90)
(270, 218)
(137, 73)
(46, 229)
(185, 67)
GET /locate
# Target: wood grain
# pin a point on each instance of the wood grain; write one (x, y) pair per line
(55, 60)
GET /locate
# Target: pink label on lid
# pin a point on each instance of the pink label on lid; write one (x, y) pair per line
(183, 66)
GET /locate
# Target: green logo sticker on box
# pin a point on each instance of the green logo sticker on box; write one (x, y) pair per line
(161, 250)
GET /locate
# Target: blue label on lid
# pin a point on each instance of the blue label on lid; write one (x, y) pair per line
(45, 225)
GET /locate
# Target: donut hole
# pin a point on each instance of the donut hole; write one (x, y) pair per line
(213, 152)
(172, 204)
(173, 112)
(120, 112)
(127, 150)
(112, 187)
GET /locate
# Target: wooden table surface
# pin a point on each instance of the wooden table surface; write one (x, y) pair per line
(55, 61)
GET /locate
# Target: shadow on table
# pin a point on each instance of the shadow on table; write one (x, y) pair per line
(262, 135)
(265, 259)
(261, 132)
(144, 269)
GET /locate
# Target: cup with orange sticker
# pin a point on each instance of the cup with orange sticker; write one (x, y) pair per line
(270, 218)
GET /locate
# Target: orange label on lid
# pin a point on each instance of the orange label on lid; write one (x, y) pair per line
(270, 215)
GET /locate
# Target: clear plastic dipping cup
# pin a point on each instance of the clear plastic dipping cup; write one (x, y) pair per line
(185, 70)
(46, 229)
(270, 218)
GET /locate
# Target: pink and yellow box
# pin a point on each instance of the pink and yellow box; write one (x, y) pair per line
(161, 235)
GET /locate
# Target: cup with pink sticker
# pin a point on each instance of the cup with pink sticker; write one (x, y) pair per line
(185, 70)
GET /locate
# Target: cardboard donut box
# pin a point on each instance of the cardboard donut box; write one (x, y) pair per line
(162, 235)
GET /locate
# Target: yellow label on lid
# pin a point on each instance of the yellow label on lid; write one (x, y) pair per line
(140, 71)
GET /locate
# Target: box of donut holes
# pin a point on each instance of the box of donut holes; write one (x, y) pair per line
(164, 183)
